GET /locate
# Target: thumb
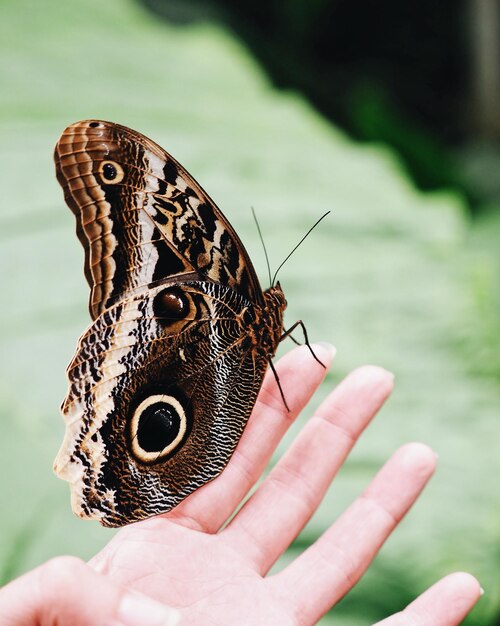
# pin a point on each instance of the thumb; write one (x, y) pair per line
(67, 591)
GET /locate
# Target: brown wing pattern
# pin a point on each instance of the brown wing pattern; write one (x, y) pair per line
(209, 375)
(164, 380)
(142, 218)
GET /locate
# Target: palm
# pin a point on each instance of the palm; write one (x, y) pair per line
(187, 568)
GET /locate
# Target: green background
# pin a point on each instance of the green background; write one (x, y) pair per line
(393, 276)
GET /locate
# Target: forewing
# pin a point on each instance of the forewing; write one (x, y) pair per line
(142, 218)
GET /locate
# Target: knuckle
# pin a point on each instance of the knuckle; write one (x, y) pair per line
(59, 570)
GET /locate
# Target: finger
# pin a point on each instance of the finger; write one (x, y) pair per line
(324, 573)
(300, 376)
(283, 504)
(66, 591)
(445, 604)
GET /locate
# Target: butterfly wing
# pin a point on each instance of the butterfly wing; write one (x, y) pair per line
(142, 218)
(164, 380)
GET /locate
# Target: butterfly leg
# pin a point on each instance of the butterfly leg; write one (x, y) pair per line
(279, 384)
(288, 333)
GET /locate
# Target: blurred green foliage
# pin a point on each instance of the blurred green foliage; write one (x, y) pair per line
(394, 276)
(400, 73)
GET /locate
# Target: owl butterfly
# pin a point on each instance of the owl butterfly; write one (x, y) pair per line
(164, 380)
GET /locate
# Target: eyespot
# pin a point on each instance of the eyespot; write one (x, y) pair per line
(158, 427)
(247, 316)
(170, 305)
(111, 173)
(94, 125)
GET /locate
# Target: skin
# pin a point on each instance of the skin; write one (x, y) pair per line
(199, 564)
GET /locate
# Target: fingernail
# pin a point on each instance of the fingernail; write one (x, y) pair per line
(138, 610)
(481, 591)
(327, 346)
(375, 373)
(391, 374)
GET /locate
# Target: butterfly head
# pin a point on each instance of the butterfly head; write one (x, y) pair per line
(275, 298)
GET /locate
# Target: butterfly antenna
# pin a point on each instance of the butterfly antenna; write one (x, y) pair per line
(304, 237)
(263, 244)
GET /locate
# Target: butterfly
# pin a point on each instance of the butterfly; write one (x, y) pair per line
(164, 380)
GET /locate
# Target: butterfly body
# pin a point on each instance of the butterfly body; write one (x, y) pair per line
(164, 380)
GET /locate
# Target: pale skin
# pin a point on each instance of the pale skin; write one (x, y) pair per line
(193, 566)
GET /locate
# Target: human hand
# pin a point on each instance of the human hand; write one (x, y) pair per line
(202, 569)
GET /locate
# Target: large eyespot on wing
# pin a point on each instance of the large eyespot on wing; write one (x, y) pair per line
(142, 218)
(158, 428)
